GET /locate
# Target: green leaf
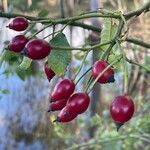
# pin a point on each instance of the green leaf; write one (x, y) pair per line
(108, 32)
(11, 57)
(2, 57)
(111, 58)
(59, 59)
(25, 64)
(4, 91)
(21, 73)
(43, 13)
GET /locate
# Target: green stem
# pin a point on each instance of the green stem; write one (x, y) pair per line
(107, 140)
(40, 30)
(113, 41)
(83, 61)
(114, 62)
(140, 65)
(144, 8)
(61, 30)
(127, 16)
(105, 54)
(138, 42)
(82, 49)
(89, 83)
(125, 68)
(83, 75)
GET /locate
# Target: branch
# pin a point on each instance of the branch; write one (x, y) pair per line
(137, 12)
(138, 42)
(144, 8)
(133, 136)
(13, 15)
(82, 49)
(140, 65)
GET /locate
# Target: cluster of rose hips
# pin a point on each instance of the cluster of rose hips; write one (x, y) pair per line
(71, 104)
(63, 97)
(33, 48)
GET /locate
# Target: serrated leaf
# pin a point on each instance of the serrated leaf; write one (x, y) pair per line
(111, 58)
(4, 91)
(59, 59)
(108, 32)
(25, 64)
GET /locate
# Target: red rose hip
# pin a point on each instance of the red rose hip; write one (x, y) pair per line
(48, 71)
(18, 43)
(64, 117)
(58, 105)
(62, 90)
(37, 49)
(98, 67)
(121, 109)
(18, 24)
(78, 103)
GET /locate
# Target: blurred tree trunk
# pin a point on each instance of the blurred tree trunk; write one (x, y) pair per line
(70, 9)
(5, 5)
(94, 38)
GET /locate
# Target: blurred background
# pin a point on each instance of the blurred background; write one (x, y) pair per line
(24, 97)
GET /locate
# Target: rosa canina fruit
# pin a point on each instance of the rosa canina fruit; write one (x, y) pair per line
(78, 103)
(62, 90)
(18, 24)
(121, 109)
(65, 117)
(37, 49)
(48, 71)
(18, 43)
(98, 67)
(57, 105)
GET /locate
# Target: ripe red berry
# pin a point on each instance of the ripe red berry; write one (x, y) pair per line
(18, 24)
(98, 67)
(65, 117)
(18, 43)
(58, 105)
(37, 49)
(78, 103)
(121, 109)
(48, 71)
(62, 90)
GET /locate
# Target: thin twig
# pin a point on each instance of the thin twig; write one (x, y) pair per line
(127, 16)
(136, 63)
(138, 42)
